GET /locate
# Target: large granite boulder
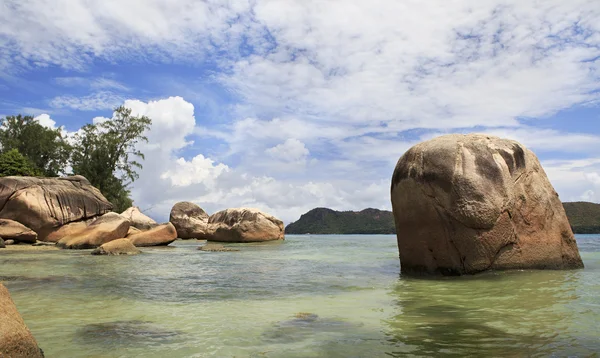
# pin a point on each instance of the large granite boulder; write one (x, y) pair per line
(15, 338)
(469, 203)
(244, 225)
(190, 221)
(108, 227)
(68, 229)
(138, 219)
(43, 204)
(161, 235)
(10, 229)
(117, 247)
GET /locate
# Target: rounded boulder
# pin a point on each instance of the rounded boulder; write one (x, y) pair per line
(190, 220)
(469, 203)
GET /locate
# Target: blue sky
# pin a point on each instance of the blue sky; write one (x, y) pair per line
(292, 104)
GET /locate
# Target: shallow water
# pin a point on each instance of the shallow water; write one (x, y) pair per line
(310, 296)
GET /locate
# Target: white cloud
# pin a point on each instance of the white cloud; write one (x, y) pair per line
(292, 150)
(356, 82)
(198, 170)
(45, 120)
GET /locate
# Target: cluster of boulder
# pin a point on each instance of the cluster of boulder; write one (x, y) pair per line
(73, 214)
(469, 203)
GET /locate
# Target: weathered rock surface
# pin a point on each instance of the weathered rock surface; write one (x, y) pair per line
(161, 235)
(117, 247)
(108, 227)
(244, 225)
(138, 219)
(68, 229)
(43, 204)
(15, 338)
(10, 229)
(190, 220)
(133, 231)
(468, 203)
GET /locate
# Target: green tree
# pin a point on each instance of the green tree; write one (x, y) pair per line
(14, 163)
(45, 148)
(106, 154)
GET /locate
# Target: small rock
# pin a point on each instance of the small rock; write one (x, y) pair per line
(216, 248)
(2, 243)
(117, 247)
(9, 242)
(43, 243)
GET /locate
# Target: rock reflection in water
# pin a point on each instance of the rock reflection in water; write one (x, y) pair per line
(517, 314)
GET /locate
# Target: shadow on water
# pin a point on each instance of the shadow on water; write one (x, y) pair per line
(517, 314)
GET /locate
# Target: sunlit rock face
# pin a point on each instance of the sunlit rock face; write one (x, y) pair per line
(244, 225)
(15, 338)
(190, 220)
(44, 204)
(468, 203)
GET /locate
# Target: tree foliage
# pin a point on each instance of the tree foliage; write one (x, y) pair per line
(106, 154)
(14, 163)
(46, 149)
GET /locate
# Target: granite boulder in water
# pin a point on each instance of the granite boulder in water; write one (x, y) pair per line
(138, 219)
(468, 203)
(190, 220)
(108, 227)
(15, 338)
(244, 225)
(160, 235)
(43, 204)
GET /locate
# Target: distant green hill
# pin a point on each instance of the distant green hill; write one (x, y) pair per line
(327, 221)
(583, 216)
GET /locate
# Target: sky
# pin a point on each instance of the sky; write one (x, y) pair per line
(288, 105)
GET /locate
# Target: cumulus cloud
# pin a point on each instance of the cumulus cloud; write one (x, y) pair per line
(291, 151)
(327, 96)
(45, 120)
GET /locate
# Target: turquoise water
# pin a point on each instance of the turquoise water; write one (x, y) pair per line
(310, 296)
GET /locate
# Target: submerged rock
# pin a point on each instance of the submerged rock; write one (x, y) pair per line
(138, 219)
(190, 220)
(305, 325)
(216, 248)
(10, 229)
(43, 243)
(161, 235)
(244, 225)
(15, 338)
(468, 203)
(125, 333)
(117, 247)
(108, 227)
(43, 204)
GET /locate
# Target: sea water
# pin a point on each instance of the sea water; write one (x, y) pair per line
(309, 296)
